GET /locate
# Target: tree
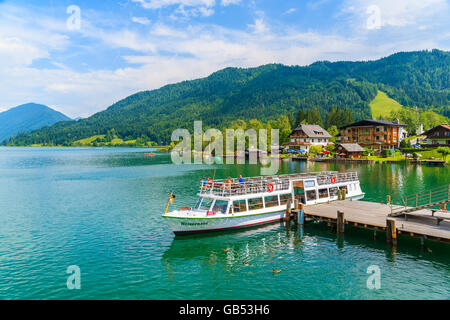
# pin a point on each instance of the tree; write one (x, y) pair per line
(300, 117)
(445, 151)
(405, 144)
(333, 131)
(283, 124)
(317, 118)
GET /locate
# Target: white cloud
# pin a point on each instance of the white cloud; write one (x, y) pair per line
(166, 53)
(259, 26)
(125, 39)
(398, 13)
(141, 20)
(158, 4)
(193, 12)
(166, 31)
(228, 2)
(289, 11)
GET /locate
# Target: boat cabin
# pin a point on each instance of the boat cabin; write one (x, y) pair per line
(259, 194)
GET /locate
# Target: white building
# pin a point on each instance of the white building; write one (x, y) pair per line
(307, 135)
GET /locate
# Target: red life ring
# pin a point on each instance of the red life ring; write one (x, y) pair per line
(333, 180)
(270, 187)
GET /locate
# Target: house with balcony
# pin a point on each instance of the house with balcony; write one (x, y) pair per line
(374, 134)
(307, 135)
(438, 136)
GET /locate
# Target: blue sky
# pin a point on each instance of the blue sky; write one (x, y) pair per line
(116, 48)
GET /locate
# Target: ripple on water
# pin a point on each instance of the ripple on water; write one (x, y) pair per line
(100, 209)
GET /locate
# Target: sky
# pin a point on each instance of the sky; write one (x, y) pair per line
(81, 56)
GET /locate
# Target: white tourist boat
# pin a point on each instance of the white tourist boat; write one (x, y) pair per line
(234, 204)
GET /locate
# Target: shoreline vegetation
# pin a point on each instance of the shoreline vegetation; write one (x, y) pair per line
(284, 124)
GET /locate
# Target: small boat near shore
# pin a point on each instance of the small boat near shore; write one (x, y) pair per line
(247, 202)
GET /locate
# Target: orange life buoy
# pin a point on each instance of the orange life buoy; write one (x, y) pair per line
(270, 187)
(333, 180)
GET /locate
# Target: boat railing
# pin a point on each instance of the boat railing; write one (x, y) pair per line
(340, 178)
(224, 188)
(263, 184)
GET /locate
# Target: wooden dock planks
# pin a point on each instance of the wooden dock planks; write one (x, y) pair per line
(372, 215)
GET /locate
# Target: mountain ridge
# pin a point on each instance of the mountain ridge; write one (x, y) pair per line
(27, 117)
(418, 78)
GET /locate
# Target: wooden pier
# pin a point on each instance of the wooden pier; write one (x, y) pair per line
(424, 224)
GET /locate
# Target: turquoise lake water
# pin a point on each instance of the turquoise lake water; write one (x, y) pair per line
(100, 209)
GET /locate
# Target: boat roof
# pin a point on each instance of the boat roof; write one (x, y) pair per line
(255, 185)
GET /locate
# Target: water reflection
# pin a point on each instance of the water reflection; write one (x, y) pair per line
(230, 250)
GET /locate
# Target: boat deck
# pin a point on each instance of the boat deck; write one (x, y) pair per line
(370, 215)
(253, 185)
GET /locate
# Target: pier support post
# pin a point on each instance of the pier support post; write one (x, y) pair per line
(301, 214)
(287, 216)
(391, 232)
(340, 222)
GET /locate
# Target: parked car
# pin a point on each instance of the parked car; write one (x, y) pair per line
(417, 146)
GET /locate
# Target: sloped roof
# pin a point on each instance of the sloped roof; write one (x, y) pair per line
(313, 131)
(370, 122)
(444, 125)
(352, 147)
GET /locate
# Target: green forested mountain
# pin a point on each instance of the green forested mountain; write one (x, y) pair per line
(419, 79)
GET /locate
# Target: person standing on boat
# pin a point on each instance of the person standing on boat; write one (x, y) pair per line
(228, 184)
(210, 182)
(241, 180)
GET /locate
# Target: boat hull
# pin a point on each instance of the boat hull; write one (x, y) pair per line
(185, 226)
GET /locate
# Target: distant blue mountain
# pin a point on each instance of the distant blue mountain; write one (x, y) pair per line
(26, 118)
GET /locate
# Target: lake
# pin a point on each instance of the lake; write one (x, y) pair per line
(100, 209)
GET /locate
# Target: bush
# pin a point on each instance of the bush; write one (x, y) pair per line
(412, 150)
(315, 149)
(405, 144)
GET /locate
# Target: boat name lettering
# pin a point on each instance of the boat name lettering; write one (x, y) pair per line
(194, 223)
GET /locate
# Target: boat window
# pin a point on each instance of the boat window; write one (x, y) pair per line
(255, 204)
(284, 198)
(220, 206)
(311, 195)
(333, 192)
(206, 204)
(198, 203)
(309, 184)
(239, 206)
(323, 193)
(271, 201)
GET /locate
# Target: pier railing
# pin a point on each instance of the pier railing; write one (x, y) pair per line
(261, 184)
(422, 200)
